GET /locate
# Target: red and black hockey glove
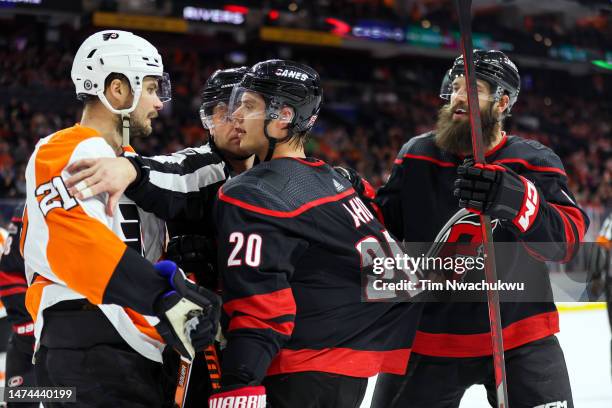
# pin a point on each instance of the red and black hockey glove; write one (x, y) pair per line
(497, 191)
(362, 187)
(188, 313)
(246, 396)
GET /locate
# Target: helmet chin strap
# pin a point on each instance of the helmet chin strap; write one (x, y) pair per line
(125, 121)
(124, 113)
(271, 141)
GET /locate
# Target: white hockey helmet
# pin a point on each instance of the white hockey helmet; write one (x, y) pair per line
(121, 52)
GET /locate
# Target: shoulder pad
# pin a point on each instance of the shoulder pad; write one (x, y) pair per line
(285, 185)
(260, 187)
(422, 145)
(531, 155)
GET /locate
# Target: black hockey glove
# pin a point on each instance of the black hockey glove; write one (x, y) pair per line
(497, 191)
(189, 314)
(362, 187)
(195, 254)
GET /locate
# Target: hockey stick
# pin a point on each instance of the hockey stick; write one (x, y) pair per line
(180, 395)
(214, 368)
(464, 12)
(184, 373)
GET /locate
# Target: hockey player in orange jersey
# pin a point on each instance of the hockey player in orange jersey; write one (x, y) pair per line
(102, 312)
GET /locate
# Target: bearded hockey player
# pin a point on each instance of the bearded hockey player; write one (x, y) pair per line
(102, 312)
(523, 187)
(290, 232)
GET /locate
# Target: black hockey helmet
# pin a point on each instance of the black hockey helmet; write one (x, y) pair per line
(491, 66)
(283, 83)
(287, 83)
(218, 89)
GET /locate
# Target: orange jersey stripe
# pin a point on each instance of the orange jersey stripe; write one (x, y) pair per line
(34, 295)
(72, 232)
(142, 324)
(24, 230)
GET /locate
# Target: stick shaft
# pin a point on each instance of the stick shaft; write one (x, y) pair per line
(182, 382)
(214, 373)
(478, 149)
(214, 368)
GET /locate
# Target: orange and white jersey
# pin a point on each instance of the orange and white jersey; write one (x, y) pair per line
(5, 242)
(73, 250)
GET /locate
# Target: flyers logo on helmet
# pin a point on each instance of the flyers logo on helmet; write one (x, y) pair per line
(110, 36)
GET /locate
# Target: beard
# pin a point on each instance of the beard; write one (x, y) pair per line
(137, 128)
(455, 136)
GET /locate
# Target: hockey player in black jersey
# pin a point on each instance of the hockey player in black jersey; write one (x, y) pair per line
(290, 233)
(524, 189)
(13, 286)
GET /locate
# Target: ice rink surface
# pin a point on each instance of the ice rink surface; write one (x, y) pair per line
(585, 338)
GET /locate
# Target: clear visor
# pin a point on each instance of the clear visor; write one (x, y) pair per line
(246, 104)
(454, 86)
(215, 112)
(164, 88)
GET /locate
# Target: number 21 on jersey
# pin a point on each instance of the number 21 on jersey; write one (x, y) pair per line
(55, 195)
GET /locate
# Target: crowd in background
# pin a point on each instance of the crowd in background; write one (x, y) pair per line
(371, 108)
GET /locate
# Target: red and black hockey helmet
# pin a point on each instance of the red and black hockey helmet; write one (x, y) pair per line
(287, 83)
(491, 66)
(217, 90)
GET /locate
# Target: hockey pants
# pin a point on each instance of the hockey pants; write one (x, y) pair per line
(81, 349)
(314, 389)
(536, 375)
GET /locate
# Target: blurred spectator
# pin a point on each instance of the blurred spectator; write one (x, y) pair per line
(370, 109)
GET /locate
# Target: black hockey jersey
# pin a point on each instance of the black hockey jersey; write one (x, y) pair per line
(288, 234)
(417, 202)
(13, 285)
